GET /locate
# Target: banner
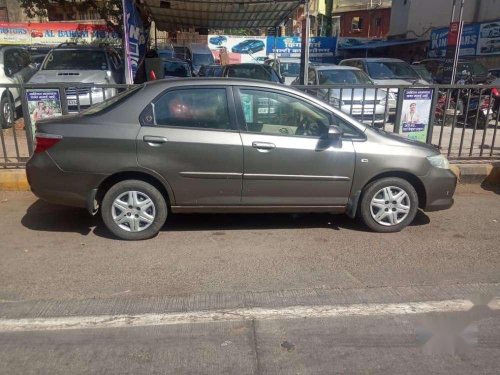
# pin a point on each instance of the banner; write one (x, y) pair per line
(416, 113)
(136, 38)
(319, 47)
(42, 104)
(240, 49)
(478, 39)
(55, 33)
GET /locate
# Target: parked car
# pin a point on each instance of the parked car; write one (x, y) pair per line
(491, 30)
(286, 67)
(70, 63)
(173, 67)
(218, 40)
(423, 73)
(199, 55)
(246, 70)
(38, 53)
(367, 105)
(181, 52)
(208, 145)
(211, 71)
(495, 72)
(166, 52)
(249, 46)
(18, 68)
(491, 46)
(478, 73)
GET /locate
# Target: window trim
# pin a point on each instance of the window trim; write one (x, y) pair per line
(230, 107)
(242, 123)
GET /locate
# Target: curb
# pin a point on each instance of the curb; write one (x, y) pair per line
(14, 180)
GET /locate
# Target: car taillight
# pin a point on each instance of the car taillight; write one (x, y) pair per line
(45, 141)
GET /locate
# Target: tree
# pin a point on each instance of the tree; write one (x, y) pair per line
(329, 14)
(108, 10)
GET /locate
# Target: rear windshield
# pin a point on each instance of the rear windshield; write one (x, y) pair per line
(176, 69)
(391, 70)
(76, 60)
(203, 59)
(111, 102)
(355, 77)
(290, 69)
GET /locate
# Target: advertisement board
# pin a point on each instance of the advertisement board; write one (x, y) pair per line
(55, 33)
(477, 39)
(319, 47)
(42, 104)
(416, 114)
(137, 36)
(240, 49)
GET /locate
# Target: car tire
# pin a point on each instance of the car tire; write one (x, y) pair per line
(399, 210)
(134, 210)
(6, 110)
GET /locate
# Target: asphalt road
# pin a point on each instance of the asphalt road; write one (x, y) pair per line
(250, 294)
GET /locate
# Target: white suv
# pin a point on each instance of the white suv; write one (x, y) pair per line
(16, 67)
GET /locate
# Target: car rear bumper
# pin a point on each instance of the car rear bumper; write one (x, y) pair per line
(440, 186)
(50, 183)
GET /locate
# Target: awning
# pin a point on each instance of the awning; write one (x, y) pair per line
(383, 44)
(172, 15)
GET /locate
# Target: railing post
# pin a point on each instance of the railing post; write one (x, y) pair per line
(28, 126)
(430, 132)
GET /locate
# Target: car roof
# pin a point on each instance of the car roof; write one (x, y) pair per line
(245, 65)
(173, 59)
(375, 59)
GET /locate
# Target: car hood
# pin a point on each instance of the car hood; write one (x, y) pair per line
(401, 141)
(82, 76)
(389, 82)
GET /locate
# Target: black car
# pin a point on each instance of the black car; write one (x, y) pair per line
(478, 73)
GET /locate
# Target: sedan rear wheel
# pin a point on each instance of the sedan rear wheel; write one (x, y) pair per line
(134, 210)
(389, 204)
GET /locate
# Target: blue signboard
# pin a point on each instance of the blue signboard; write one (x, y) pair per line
(469, 43)
(320, 48)
(136, 36)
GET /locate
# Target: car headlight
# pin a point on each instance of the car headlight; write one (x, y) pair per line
(439, 161)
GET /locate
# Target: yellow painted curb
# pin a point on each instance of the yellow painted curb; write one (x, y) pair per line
(14, 180)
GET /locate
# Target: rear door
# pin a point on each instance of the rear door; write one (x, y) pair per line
(189, 135)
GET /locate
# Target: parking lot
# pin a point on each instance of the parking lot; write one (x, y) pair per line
(60, 263)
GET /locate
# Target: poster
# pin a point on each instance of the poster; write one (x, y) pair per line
(416, 114)
(42, 104)
(52, 33)
(489, 41)
(240, 49)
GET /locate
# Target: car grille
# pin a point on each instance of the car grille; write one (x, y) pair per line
(77, 90)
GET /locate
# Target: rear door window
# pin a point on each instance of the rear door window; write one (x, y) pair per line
(204, 108)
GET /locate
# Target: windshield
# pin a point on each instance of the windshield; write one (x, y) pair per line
(343, 76)
(203, 59)
(176, 69)
(474, 68)
(423, 72)
(391, 70)
(76, 60)
(109, 103)
(290, 69)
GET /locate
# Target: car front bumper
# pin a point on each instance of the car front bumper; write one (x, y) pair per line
(440, 185)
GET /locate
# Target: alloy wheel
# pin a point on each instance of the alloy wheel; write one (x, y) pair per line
(390, 206)
(133, 211)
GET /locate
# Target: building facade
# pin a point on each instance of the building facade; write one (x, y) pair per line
(363, 19)
(417, 18)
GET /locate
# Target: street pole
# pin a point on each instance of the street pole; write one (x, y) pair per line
(459, 42)
(126, 50)
(304, 52)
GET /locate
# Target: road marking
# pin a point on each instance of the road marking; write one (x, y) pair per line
(294, 312)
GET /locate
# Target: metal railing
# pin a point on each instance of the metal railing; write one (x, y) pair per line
(461, 120)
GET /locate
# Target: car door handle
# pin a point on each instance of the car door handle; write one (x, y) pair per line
(263, 145)
(152, 139)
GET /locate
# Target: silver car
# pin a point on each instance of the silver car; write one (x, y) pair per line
(368, 105)
(71, 63)
(231, 145)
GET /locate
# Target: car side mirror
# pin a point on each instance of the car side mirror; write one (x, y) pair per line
(334, 132)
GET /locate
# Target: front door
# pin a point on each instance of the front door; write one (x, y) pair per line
(191, 139)
(288, 159)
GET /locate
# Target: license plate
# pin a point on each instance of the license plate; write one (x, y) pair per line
(72, 102)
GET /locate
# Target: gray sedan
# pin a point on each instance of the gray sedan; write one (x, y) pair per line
(224, 145)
